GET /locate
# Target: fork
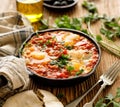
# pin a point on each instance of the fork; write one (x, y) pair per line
(108, 78)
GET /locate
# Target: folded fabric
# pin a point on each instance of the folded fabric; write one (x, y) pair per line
(13, 76)
(29, 98)
(14, 29)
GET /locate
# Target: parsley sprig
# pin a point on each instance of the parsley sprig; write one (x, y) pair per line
(90, 6)
(110, 100)
(62, 61)
(111, 28)
(66, 22)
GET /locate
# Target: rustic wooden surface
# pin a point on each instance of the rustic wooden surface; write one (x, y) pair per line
(111, 8)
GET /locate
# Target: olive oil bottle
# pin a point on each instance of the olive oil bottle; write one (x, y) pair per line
(32, 9)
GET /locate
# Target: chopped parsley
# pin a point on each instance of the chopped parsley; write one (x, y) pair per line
(67, 22)
(70, 68)
(48, 42)
(80, 72)
(69, 47)
(62, 61)
(90, 6)
(60, 95)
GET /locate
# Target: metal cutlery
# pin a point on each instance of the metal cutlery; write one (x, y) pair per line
(108, 78)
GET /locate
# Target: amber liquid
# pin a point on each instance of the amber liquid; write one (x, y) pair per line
(32, 9)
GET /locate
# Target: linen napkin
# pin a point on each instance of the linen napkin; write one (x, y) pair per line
(13, 76)
(14, 29)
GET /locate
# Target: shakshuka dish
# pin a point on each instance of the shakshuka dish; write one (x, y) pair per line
(60, 54)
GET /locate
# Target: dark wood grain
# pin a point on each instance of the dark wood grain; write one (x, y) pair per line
(111, 8)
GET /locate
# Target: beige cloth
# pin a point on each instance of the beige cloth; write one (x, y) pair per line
(14, 71)
(14, 29)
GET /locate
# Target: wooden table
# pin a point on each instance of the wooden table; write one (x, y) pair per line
(111, 8)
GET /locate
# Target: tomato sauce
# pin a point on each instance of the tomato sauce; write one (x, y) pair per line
(60, 54)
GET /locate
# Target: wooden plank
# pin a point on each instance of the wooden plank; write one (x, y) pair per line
(111, 8)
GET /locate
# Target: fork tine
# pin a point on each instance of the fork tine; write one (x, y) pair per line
(112, 69)
(113, 77)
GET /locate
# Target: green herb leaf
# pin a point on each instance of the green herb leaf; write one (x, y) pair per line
(98, 38)
(63, 22)
(64, 56)
(70, 68)
(80, 71)
(109, 100)
(76, 23)
(48, 42)
(60, 95)
(53, 62)
(107, 33)
(111, 28)
(67, 22)
(109, 97)
(111, 23)
(116, 104)
(62, 61)
(44, 25)
(118, 93)
(100, 103)
(85, 31)
(90, 6)
(69, 47)
(92, 18)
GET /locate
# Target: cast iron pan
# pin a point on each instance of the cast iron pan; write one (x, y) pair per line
(68, 81)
